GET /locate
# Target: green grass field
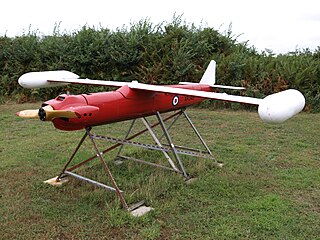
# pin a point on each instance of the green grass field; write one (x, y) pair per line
(269, 187)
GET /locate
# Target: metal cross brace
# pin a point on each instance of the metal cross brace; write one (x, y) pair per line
(164, 148)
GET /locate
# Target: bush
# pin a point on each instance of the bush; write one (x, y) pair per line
(157, 54)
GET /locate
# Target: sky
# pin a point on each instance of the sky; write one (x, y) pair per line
(279, 25)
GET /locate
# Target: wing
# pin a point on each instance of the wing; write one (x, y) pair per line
(275, 108)
(195, 93)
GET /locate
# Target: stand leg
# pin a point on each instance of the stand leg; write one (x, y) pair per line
(196, 131)
(123, 201)
(72, 156)
(171, 144)
(126, 137)
(172, 123)
(145, 122)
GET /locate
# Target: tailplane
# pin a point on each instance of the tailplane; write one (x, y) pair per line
(209, 78)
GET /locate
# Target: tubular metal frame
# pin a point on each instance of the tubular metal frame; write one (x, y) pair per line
(164, 148)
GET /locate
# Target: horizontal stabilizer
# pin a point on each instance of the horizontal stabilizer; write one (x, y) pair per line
(228, 87)
(214, 86)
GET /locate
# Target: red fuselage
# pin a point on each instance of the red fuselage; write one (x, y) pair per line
(123, 104)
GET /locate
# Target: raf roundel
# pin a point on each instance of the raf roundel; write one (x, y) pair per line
(175, 100)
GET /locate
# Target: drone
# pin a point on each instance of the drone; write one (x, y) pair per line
(135, 100)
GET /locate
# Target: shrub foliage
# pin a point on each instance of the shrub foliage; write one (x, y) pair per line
(157, 54)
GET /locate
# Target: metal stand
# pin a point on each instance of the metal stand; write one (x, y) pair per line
(164, 148)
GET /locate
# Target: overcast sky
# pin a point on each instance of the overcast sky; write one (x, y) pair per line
(279, 25)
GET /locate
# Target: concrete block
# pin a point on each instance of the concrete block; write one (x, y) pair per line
(53, 182)
(141, 211)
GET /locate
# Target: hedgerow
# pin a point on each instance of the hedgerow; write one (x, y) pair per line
(165, 53)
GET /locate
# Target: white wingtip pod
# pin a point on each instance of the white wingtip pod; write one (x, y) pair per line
(279, 107)
(40, 79)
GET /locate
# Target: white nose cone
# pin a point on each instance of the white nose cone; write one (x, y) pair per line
(279, 107)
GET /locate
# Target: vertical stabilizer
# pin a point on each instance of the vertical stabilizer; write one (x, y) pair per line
(209, 76)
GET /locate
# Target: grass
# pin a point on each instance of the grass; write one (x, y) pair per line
(269, 187)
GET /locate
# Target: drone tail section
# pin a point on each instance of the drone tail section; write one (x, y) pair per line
(209, 76)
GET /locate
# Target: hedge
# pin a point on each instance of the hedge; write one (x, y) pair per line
(164, 53)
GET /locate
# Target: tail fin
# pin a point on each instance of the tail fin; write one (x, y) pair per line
(209, 76)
